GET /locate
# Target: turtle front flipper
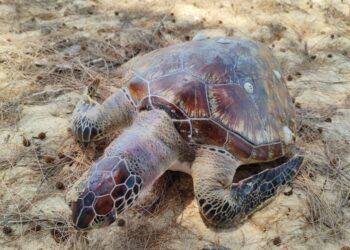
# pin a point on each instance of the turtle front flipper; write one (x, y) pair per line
(223, 203)
(93, 121)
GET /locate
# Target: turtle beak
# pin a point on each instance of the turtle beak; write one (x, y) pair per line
(85, 218)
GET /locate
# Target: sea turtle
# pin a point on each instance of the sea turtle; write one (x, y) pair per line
(205, 107)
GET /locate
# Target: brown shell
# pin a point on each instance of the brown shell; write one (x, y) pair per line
(225, 92)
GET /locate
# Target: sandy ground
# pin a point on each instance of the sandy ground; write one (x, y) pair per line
(50, 50)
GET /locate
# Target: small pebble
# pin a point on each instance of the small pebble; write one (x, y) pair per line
(60, 185)
(289, 78)
(277, 241)
(329, 55)
(297, 105)
(313, 57)
(220, 22)
(187, 38)
(121, 223)
(49, 159)
(60, 155)
(116, 13)
(42, 135)
(297, 73)
(328, 119)
(7, 230)
(332, 36)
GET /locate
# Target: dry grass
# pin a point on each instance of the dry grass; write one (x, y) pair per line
(325, 178)
(58, 57)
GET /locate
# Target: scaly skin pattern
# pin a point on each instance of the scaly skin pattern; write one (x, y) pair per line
(129, 166)
(92, 121)
(220, 102)
(110, 189)
(223, 203)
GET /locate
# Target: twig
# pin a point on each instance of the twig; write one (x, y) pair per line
(319, 81)
(158, 28)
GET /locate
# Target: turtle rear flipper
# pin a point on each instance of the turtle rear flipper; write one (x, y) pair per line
(255, 190)
(93, 121)
(223, 203)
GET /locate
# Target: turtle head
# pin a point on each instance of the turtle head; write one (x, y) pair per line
(109, 190)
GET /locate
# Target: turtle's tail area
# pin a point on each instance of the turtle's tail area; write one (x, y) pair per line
(92, 121)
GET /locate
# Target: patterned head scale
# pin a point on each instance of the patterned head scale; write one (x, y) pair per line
(110, 189)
